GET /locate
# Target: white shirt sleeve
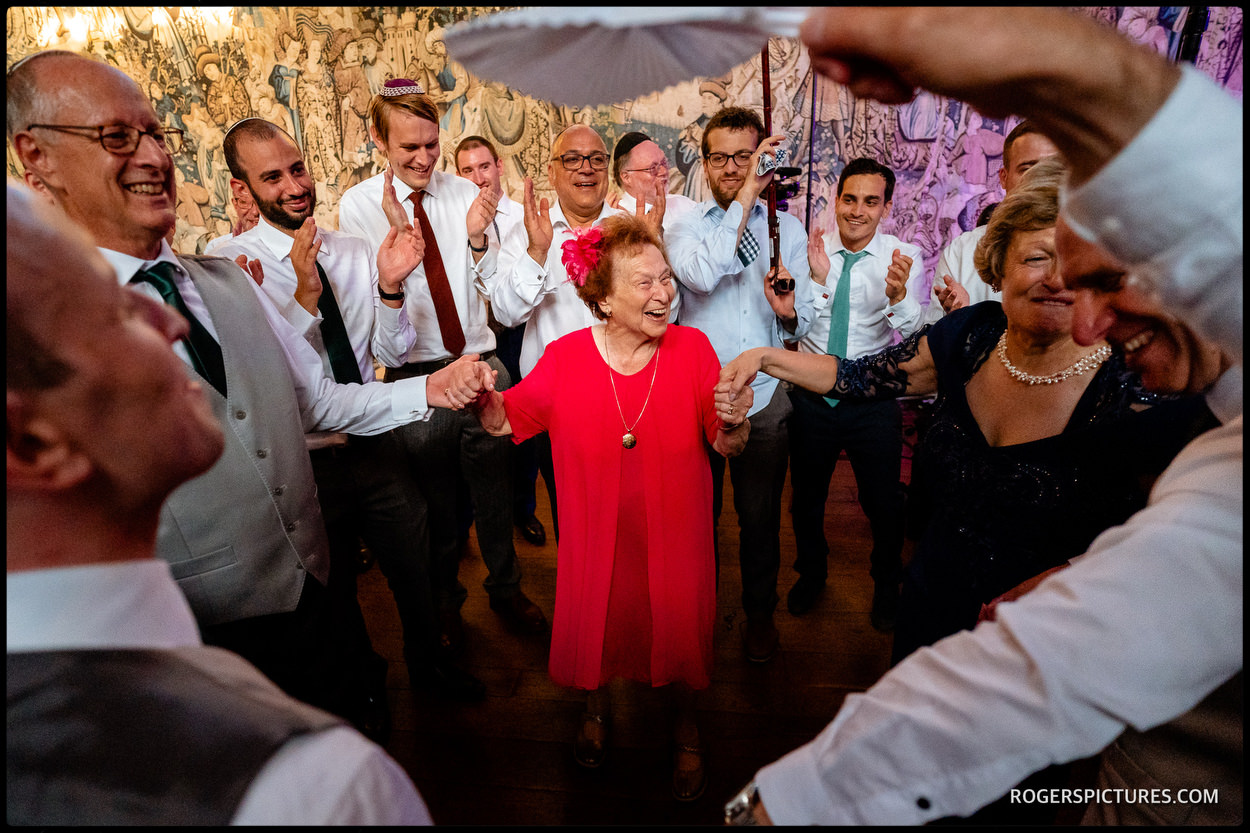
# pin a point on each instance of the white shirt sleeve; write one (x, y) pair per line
(1171, 205)
(326, 405)
(518, 284)
(336, 777)
(1105, 644)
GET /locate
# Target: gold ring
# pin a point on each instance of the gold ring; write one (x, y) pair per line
(731, 409)
(447, 391)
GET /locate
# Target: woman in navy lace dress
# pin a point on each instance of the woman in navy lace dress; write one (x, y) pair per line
(1036, 444)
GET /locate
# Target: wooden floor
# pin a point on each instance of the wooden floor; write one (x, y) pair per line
(509, 760)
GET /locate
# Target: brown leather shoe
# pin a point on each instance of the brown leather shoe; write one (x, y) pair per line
(760, 639)
(689, 782)
(521, 613)
(587, 750)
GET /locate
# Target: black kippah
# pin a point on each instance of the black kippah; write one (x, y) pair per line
(623, 146)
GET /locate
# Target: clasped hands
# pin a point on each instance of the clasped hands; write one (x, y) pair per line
(460, 384)
(733, 401)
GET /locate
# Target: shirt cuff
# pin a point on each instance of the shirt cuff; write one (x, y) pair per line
(903, 315)
(408, 401)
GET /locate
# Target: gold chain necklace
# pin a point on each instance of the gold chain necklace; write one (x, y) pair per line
(1082, 366)
(629, 440)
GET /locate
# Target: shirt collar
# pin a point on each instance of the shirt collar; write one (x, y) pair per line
(127, 265)
(873, 248)
(278, 242)
(711, 208)
(557, 214)
(125, 604)
(433, 188)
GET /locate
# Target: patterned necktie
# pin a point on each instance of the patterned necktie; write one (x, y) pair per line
(840, 315)
(748, 248)
(334, 335)
(436, 277)
(204, 350)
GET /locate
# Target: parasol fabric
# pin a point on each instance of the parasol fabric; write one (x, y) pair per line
(580, 56)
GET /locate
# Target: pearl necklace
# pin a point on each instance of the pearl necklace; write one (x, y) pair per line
(629, 440)
(1082, 366)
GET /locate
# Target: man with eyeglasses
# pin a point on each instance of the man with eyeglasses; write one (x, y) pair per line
(720, 254)
(638, 168)
(246, 541)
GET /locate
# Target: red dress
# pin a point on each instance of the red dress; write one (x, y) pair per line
(635, 569)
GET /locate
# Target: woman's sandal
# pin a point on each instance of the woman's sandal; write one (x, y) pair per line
(688, 784)
(587, 751)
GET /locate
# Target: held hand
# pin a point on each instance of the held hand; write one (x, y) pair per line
(989, 612)
(537, 224)
(738, 374)
(394, 210)
(817, 257)
(951, 294)
(896, 277)
(459, 383)
(400, 253)
(732, 411)
(491, 413)
(304, 251)
(252, 267)
(481, 213)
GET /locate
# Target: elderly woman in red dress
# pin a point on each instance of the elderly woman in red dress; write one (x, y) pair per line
(630, 406)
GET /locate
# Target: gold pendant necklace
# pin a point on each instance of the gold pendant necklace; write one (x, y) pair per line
(1082, 366)
(629, 440)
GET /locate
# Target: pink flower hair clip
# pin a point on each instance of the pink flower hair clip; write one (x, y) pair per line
(581, 253)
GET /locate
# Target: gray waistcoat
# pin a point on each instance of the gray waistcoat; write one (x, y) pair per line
(240, 537)
(140, 737)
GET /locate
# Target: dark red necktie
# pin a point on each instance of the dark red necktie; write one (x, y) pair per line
(436, 276)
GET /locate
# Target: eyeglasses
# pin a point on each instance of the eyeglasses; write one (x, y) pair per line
(122, 139)
(657, 169)
(573, 161)
(718, 160)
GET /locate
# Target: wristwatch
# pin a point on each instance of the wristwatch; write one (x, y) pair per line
(740, 811)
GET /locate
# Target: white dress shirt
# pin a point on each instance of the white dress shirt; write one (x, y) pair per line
(726, 300)
(1192, 249)
(1144, 625)
(324, 404)
(350, 263)
(331, 777)
(873, 318)
(447, 200)
(956, 261)
(538, 295)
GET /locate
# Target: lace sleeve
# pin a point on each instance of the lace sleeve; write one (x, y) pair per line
(878, 376)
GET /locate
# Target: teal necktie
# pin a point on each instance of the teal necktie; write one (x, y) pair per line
(840, 315)
(204, 350)
(334, 335)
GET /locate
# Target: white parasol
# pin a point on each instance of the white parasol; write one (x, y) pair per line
(582, 56)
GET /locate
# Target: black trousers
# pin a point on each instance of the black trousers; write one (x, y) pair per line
(871, 433)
